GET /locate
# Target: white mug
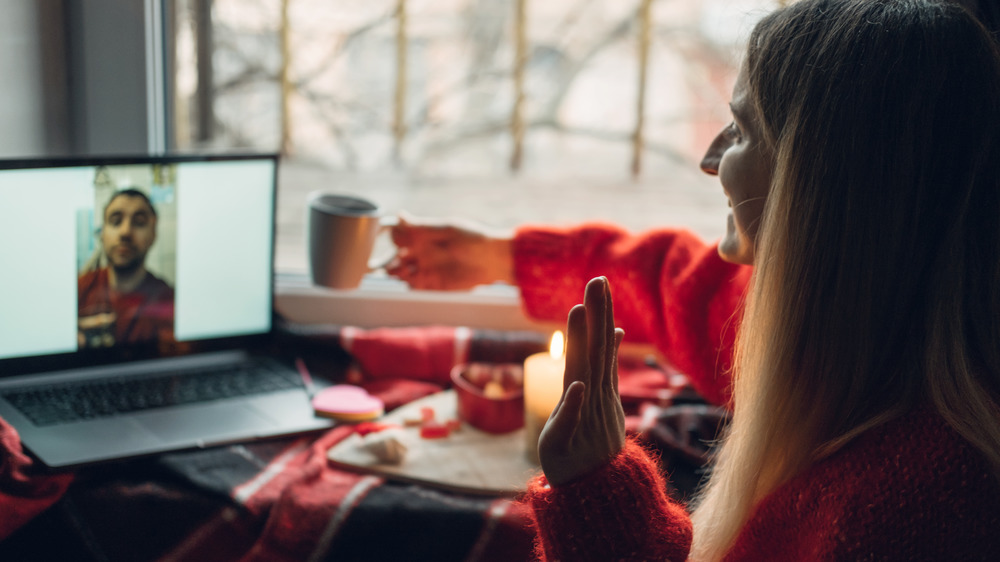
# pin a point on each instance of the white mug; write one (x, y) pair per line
(342, 230)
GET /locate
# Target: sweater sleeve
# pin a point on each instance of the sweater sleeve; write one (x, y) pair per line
(619, 512)
(670, 290)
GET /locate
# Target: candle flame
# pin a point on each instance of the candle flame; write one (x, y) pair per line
(556, 345)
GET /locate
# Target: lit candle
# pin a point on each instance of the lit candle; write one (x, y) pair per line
(543, 386)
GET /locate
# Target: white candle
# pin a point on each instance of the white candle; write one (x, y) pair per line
(543, 386)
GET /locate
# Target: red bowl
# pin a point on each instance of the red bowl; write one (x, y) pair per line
(497, 409)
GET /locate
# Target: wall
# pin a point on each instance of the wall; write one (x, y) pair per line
(22, 131)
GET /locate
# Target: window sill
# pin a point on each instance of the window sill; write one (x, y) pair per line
(383, 302)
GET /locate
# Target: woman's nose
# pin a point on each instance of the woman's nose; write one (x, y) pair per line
(710, 162)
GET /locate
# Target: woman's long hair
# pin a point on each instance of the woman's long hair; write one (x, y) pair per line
(877, 266)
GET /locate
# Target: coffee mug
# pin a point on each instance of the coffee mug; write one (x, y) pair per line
(342, 230)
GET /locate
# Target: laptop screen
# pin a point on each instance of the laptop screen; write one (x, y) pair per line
(127, 257)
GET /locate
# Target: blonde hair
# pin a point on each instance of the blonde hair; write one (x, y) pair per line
(877, 265)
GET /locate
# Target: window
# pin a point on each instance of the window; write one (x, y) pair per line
(502, 111)
(422, 106)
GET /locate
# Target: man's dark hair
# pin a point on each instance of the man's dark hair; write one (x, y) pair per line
(130, 192)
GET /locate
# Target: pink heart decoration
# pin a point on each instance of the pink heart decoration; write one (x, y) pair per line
(346, 399)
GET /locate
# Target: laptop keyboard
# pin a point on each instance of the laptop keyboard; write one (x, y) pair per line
(67, 402)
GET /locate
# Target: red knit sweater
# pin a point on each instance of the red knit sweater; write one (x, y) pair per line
(670, 289)
(912, 489)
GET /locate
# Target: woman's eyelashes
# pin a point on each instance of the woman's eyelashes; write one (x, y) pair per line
(733, 132)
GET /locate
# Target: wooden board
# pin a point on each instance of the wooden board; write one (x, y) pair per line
(468, 461)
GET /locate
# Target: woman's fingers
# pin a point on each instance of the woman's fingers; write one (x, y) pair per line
(603, 339)
(619, 336)
(595, 301)
(402, 232)
(610, 337)
(576, 346)
(566, 417)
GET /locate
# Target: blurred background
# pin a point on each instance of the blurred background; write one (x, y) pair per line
(499, 111)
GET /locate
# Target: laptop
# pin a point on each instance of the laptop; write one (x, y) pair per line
(136, 307)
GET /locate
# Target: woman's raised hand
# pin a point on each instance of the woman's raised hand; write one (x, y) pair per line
(448, 256)
(587, 426)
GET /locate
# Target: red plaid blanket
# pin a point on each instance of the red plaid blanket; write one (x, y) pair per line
(281, 500)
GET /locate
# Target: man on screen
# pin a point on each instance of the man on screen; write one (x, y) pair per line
(122, 302)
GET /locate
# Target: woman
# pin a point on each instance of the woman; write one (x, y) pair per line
(672, 290)
(861, 167)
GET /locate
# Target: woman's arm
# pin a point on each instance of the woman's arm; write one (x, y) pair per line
(672, 290)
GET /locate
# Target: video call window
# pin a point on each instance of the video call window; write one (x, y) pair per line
(135, 254)
(128, 257)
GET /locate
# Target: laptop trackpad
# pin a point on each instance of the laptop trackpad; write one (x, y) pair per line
(217, 422)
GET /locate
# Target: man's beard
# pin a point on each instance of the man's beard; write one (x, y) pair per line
(128, 267)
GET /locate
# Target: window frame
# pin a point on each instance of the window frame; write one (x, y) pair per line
(381, 302)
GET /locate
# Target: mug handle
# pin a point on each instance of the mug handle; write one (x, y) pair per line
(384, 224)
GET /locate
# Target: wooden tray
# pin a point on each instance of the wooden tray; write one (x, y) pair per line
(468, 461)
